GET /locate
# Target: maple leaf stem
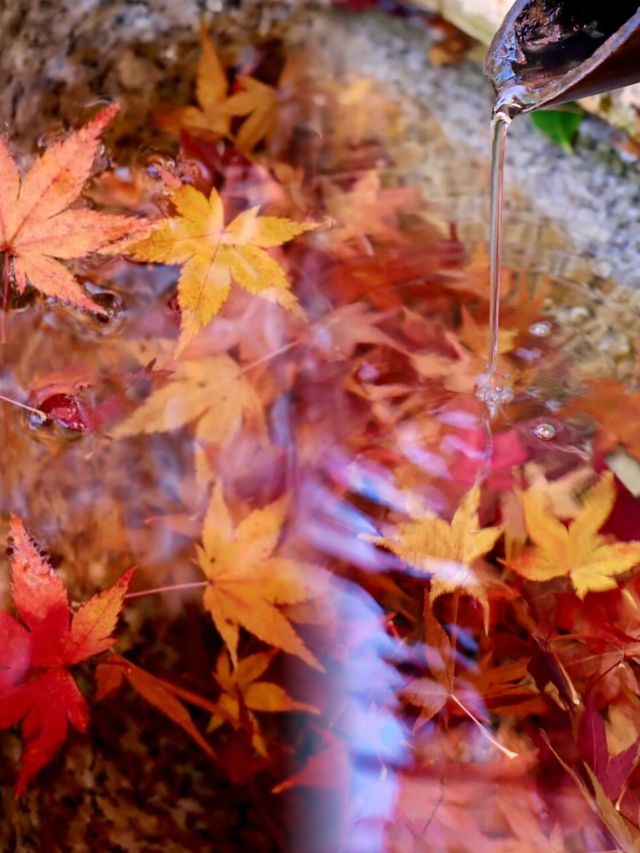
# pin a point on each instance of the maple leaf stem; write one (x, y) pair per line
(171, 588)
(17, 403)
(454, 621)
(271, 355)
(6, 285)
(483, 731)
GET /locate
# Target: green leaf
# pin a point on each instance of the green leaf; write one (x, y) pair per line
(560, 125)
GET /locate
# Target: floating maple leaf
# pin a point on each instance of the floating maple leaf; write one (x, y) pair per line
(247, 582)
(36, 687)
(445, 551)
(207, 119)
(577, 551)
(213, 255)
(37, 229)
(243, 694)
(211, 391)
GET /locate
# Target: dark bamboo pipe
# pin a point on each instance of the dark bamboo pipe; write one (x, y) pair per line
(550, 52)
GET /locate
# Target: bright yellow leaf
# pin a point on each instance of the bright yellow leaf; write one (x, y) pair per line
(248, 582)
(578, 551)
(212, 256)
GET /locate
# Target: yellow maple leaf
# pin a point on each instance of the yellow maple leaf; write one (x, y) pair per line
(446, 551)
(243, 694)
(212, 255)
(247, 581)
(212, 392)
(207, 119)
(259, 103)
(37, 227)
(578, 551)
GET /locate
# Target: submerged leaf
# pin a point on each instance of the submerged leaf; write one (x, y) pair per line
(211, 392)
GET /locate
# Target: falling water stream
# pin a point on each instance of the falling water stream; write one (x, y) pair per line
(493, 387)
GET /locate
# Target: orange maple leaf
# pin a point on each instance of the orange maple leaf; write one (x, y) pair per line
(247, 582)
(578, 551)
(36, 687)
(163, 695)
(367, 210)
(243, 694)
(444, 685)
(211, 392)
(206, 119)
(258, 103)
(37, 228)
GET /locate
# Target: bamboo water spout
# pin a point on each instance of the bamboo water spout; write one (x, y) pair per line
(553, 51)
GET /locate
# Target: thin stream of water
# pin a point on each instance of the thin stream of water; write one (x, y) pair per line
(500, 128)
(494, 388)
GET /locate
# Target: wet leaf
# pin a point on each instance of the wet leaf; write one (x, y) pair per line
(446, 551)
(244, 694)
(213, 256)
(248, 582)
(211, 392)
(163, 695)
(37, 227)
(576, 551)
(37, 690)
(206, 119)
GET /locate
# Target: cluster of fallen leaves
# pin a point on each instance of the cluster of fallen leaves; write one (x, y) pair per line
(288, 403)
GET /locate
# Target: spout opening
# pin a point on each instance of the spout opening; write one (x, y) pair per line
(552, 51)
(555, 36)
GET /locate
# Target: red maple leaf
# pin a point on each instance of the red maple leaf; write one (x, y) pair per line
(36, 687)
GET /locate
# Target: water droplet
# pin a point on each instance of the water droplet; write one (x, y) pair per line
(495, 391)
(368, 373)
(545, 431)
(541, 329)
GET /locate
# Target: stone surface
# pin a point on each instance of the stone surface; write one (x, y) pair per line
(572, 216)
(569, 214)
(58, 57)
